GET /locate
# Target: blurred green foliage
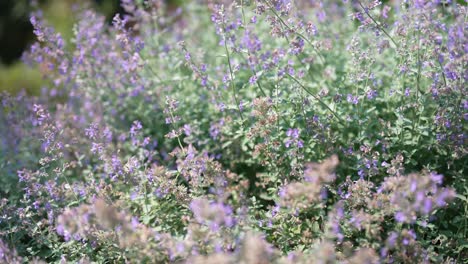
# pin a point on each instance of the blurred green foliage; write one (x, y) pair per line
(16, 36)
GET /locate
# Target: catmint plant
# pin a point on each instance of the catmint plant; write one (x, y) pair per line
(266, 131)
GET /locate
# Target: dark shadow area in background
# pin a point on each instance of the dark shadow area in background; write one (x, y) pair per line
(16, 30)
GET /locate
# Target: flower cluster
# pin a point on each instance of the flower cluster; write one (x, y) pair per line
(311, 190)
(266, 131)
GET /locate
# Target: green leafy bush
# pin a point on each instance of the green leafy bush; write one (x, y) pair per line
(244, 132)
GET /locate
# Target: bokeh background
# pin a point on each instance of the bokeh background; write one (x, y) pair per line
(16, 35)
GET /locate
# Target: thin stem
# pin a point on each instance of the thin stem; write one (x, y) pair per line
(178, 138)
(377, 24)
(146, 197)
(243, 13)
(297, 33)
(232, 79)
(442, 71)
(316, 98)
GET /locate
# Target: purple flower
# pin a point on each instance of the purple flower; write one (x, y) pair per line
(352, 99)
(392, 239)
(204, 80)
(297, 46)
(407, 92)
(92, 131)
(293, 133)
(136, 127)
(324, 194)
(214, 131)
(293, 138)
(427, 206)
(371, 94)
(400, 217)
(187, 129)
(212, 214)
(253, 20)
(437, 178)
(251, 42)
(253, 79)
(282, 192)
(134, 222)
(300, 144)
(215, 128)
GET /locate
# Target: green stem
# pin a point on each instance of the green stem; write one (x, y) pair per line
(295, 32)
(178, 138)
(377, 24)
(231, 81)
(317, 98)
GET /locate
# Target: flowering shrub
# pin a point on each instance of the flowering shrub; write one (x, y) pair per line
(259, 131)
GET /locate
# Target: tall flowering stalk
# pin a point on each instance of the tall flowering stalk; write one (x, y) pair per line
(268, 131)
